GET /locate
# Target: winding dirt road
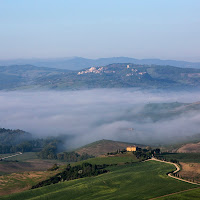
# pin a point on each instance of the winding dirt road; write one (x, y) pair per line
(170, 175)
(17, 154)
(177, 170)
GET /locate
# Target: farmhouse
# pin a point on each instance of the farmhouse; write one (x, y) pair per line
(131, 148)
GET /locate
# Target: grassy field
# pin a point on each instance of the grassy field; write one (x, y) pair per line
(183, 157)
(187, 195)
(140, 180)
(190, 171)
(123, 158)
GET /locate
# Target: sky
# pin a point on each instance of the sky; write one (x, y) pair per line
(165, 29)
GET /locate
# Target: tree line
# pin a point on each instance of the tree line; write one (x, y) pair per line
(71, 173)
(28, 146)
(50, 151)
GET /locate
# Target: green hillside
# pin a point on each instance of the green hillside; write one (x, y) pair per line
(109, 160)
(182, 157)
(187, 195)
(143, 180)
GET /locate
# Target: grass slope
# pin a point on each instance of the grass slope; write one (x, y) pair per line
(118, 159)
(142, 180)
(187, 195)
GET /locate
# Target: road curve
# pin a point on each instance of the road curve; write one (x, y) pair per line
(177, 170)
(17, 154)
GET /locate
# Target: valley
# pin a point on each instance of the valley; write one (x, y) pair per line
(100, 100)
(62, 161)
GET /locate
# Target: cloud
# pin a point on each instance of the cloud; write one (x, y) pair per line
(90, 115)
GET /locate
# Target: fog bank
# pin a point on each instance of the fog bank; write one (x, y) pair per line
(90, 115)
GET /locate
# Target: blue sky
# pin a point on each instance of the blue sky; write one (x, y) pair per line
(165, 29)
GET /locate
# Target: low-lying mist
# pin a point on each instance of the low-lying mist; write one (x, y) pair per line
(90, 115)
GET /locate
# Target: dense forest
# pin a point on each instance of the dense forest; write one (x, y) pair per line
(27, 146)
(13, 137)
(12, 141)
(50, 151)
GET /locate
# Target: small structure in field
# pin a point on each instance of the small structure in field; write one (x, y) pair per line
(131, 148)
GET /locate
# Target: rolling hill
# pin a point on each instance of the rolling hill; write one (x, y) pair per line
(104, 146)
(190, 148)
(141, 180)
(124, 75)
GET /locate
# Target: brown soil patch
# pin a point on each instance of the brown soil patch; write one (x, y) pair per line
(23, 175)
(190, 171)
(190, 148)
(31, 165)
(18, 182)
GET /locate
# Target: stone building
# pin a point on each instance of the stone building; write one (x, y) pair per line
(131, 148)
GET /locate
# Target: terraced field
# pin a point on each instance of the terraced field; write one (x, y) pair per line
(140, 180)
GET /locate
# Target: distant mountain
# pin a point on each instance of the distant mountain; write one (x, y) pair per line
(17, 76)
(124, 75)
(77, 63)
